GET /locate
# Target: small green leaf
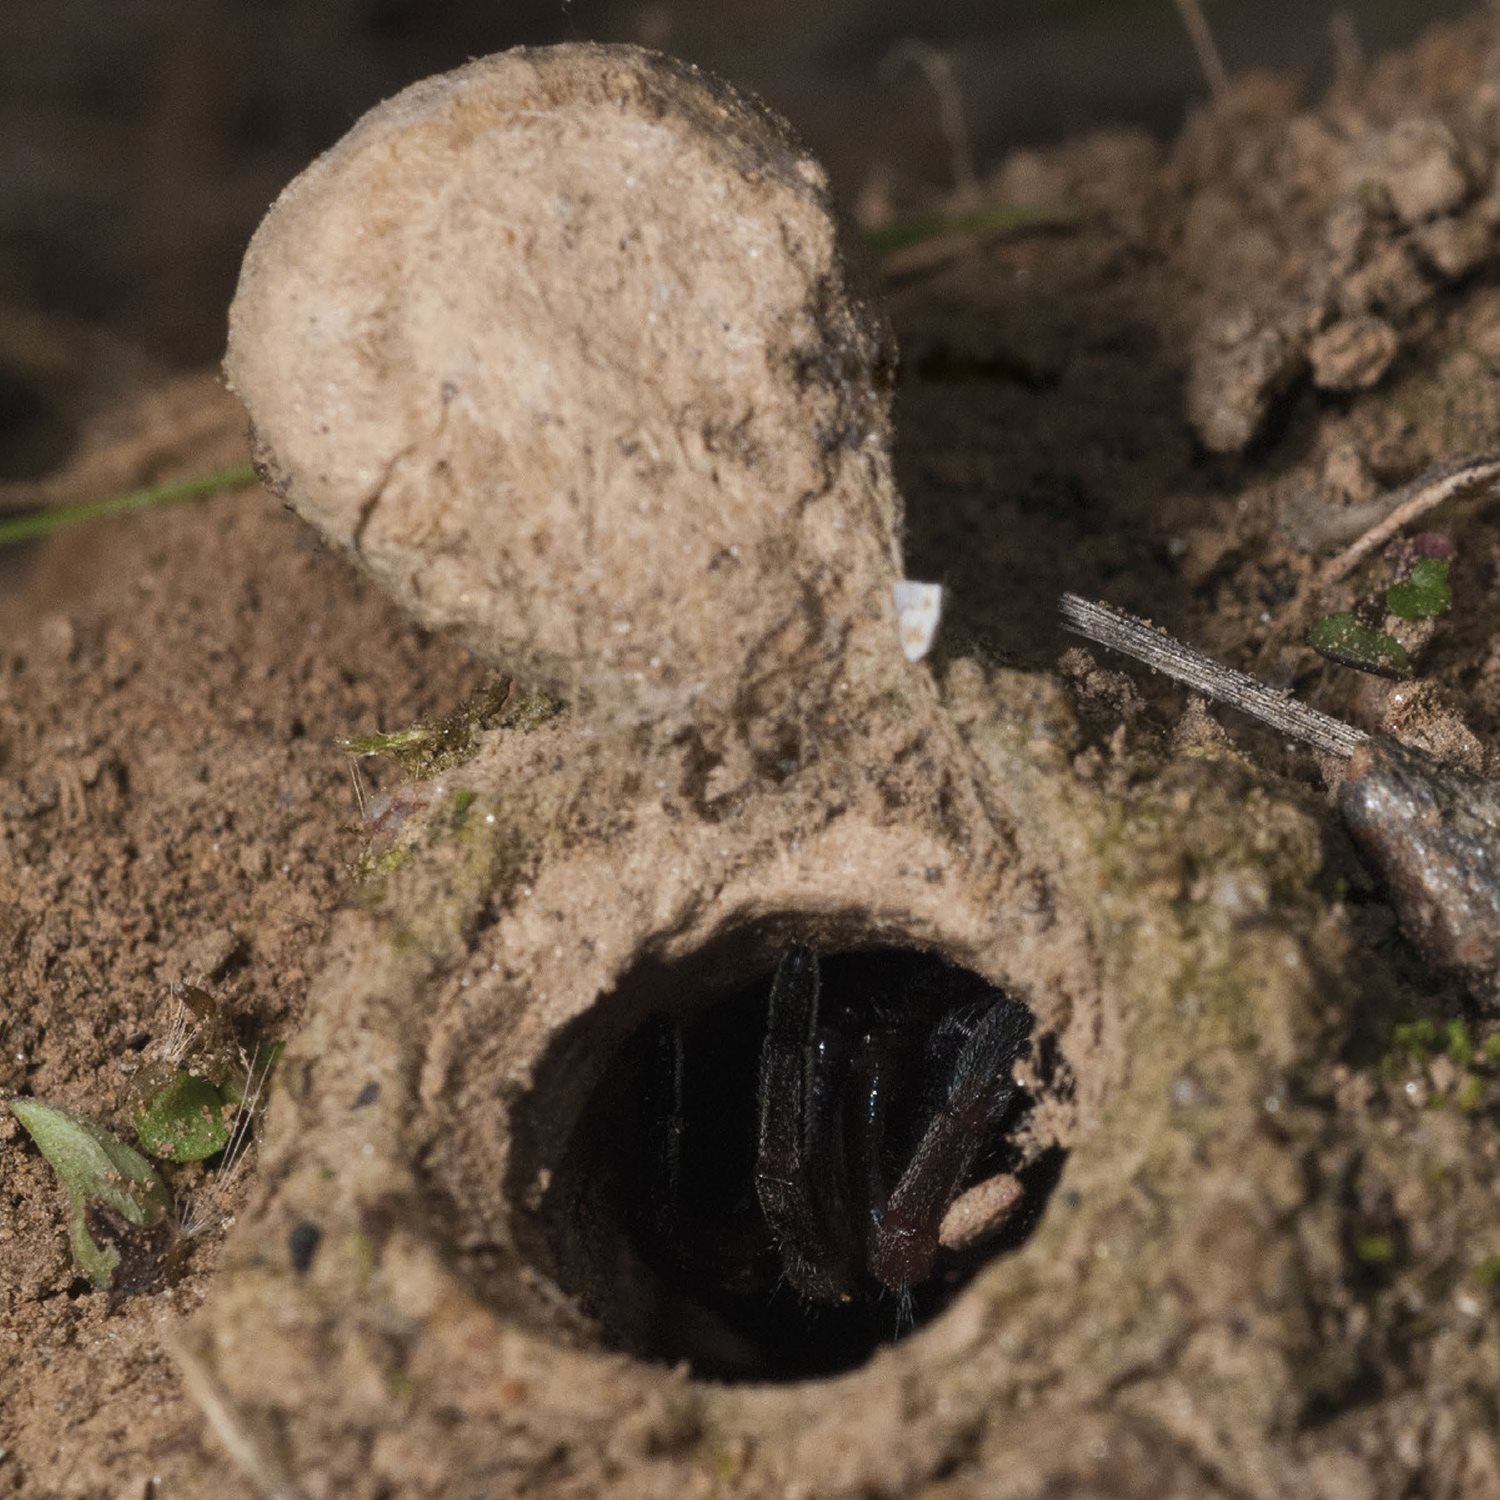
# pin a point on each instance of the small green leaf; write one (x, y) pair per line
(1424, 594)
(1457, 1042)
(398, 741)
(104, 1177)
(1375, 1249)
(424, 749)
(185, 1121)
(1342, 639)
(93, 1164)
(97, 1262)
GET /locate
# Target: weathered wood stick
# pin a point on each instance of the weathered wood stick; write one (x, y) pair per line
(1432, 830)
(1128, 633)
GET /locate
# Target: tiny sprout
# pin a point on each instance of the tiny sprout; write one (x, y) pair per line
(244, 1093)
(1424, 594)
(119, 1205)
(184, 1103)
(1342, 639)
(186, 1120)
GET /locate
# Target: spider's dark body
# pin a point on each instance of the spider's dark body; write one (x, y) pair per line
(814, 1134)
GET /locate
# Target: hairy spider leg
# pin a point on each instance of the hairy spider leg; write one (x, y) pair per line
(875, 1071)
(878, 1067)
(799, 1158)
(905, 1238)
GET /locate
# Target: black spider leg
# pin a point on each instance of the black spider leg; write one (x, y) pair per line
(826, 1151)
(799, 1165)
(875, 1071)
(905, 1240)
(878, 1067)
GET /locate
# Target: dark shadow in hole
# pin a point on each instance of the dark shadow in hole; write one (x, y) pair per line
(695, 1273)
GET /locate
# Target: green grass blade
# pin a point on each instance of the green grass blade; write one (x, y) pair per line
(906, 232)
(44, 522)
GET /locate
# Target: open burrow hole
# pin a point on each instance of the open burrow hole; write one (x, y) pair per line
(648, 1155)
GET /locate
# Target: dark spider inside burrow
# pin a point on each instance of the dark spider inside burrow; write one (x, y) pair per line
(758, 1184)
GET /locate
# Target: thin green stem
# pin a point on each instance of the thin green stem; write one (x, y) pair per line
(1001, 220)
(44, 522)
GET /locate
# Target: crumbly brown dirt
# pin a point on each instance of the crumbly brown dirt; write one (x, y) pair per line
(1269, 1267)
(175, 809)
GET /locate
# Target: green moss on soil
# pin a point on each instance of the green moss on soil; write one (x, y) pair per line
(431, 746)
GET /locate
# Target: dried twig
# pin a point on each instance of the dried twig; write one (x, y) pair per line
(1416, 499)
(1203, 44)
(1432, 830)
(937, 68)
(251, 1456)
(1348, 51)
(1135, 637)
(361, 798)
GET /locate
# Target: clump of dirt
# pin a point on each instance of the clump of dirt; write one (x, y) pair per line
(520, 436)
(1268, 1265)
